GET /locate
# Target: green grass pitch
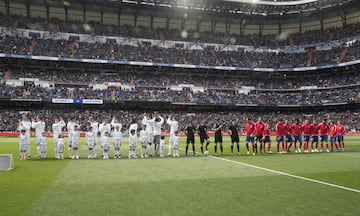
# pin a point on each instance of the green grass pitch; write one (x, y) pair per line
(182, 186)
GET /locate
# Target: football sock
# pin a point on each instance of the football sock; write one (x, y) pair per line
(38, 150)
(161, 149)
(238, 147)
(170, 147)
(232, 148)
(202, 149)
(247, 146)
(186, 149)
(255, 147)
(207, 144)
(278, 147)
(193, 148)
(221, 148)
(317, 145)
(283, 147)
(327, 146)
(151, 149)
(269, 147)
(289, 147)
(215, 148)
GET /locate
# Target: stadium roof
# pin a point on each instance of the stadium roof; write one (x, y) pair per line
(208, 9)
(254, 7)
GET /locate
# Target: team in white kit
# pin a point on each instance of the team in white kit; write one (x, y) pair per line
(110, 133)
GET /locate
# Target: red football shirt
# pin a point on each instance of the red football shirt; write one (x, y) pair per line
(306, 129)
(314, 129)
(287, 128)
(340, 130)
(280, 129)
(296, 129)
(259, 128)
(250, 128)
(332, 131)
(266, 131)
(323, 129)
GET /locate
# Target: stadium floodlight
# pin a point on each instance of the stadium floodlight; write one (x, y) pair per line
(6, 162)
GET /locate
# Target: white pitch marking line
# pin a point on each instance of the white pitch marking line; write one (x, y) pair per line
(285, 174)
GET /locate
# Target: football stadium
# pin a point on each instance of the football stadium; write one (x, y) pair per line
(179, 107)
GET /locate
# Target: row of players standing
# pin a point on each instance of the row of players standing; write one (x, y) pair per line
(288, 135)
(256, 133)
(150, 133)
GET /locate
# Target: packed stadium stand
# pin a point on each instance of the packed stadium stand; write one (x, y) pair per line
(281, 61)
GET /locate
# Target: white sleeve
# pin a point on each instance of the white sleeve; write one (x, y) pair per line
(162, 120)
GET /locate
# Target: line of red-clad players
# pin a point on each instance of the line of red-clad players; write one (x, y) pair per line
(288, 135)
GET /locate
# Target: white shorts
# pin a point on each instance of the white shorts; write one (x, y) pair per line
(133, 145)
(105, 147)
(43, 148)
(117, 143)
(38, 139)
(150, 137)
(91, 146)
(60, 148)
(70, 140)
(22, 147)
(172, 136)
(75, 144)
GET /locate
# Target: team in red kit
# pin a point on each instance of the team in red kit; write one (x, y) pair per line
(301, 136)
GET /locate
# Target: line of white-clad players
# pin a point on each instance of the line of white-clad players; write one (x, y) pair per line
(150, 133)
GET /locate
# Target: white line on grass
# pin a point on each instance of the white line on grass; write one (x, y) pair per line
(283, 173)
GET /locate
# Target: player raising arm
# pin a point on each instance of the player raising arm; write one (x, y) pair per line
(39, 125)
(149, 129)
(57, 127)
(174, 126)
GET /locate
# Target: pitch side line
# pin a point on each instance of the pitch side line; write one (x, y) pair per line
(283, 173)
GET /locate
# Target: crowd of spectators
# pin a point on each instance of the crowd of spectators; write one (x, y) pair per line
(208, 57)
(340, 87)
(10, 117)
(135, 77)
(91, 27)
(209, 96)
